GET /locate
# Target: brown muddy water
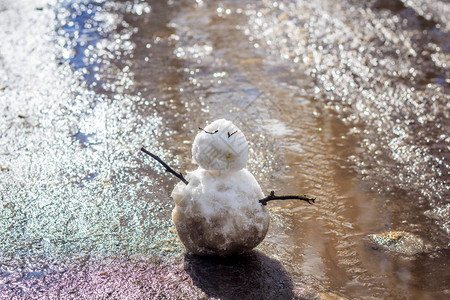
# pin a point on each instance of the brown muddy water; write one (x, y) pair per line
(346, 101)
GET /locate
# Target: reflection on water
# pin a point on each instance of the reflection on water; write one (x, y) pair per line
(342, 100)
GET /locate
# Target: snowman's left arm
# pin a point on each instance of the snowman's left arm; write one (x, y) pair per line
(272, 196)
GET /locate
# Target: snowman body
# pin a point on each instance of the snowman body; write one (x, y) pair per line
(218, 212)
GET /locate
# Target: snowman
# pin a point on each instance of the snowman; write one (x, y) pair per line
(219, 208)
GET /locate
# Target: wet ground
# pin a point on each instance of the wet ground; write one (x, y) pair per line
(344, 101)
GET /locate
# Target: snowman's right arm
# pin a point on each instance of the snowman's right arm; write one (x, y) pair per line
(168, 169)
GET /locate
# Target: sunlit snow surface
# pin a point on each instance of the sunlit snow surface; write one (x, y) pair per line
(346, 101)
(67, 149)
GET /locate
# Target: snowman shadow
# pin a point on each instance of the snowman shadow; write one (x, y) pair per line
(252, 275)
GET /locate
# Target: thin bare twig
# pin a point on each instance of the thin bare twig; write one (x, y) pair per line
(168, 169)
(286, 197)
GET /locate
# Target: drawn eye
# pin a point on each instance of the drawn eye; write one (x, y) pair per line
(230, 134)
(208, 132)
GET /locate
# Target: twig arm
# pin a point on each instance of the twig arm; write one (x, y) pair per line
(168, 169)
(272, 196)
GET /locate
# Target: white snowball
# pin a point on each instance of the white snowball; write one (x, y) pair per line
(219, 213)
(221, 146)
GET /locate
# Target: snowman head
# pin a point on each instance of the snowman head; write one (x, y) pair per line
(220, 146)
